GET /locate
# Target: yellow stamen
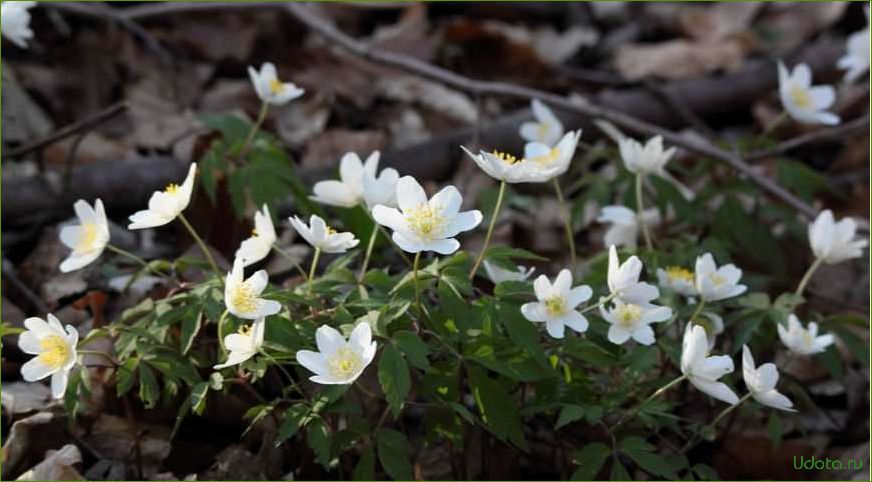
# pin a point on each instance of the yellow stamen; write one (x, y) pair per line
(546, 159)
(717, 279)
(807, 338)
(426, 221)
(89, 235)
(172, 188)
(254, 232)
(344, 363)
(243, 298)
(628, 315)
(555, 305)
(276, 86)
(54, 351)
(330, 231)
(244, 330)
(801, 97)
(507, 158)
(677, 273)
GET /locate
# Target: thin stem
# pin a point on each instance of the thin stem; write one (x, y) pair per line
(293, 261)
(807, 276)
(729, 409)
(99, 353)
(490, 230)
(313, 267)
(202, 245)
(285, 372)
(640, 212)
(417, 289)
(654, 395)
(144, 263)
(264, 107)
(444, 343)
(599, 303)
(697, 311)
(221, 321)
(567, 223)
(372, 238)
(775, 123)
(384, 232)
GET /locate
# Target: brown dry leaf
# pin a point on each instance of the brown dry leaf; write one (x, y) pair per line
(115, 438)
(29, 439)
(750, 454)
(409, 35)
(791, 25)
(302, 120)
(23, 119)
(215, 38)
(678, 59)
(58, 465)
(24, 397)
(329, 146)
(551, 46)
(433, 95)
(710, 24)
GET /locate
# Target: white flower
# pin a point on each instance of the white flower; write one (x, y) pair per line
(713, 283)
(702, 370)
(323, 237)
(15, 22)
(88, 239)
(804, 102)
(426, 225)
(269, 88)
(833, 242)
(803, 341)
(623, 280)
(547, 128)
(625, 227)
(243, 344)
(677, 279)
(358, 183)
(761, 382)
(556, 304)
(166, 205)
(856, 60)
(339, 362)
(647, 159)
(546, 159)
(498, 274)
(633, 321)
(540, 163)
(261, 241)
(55, 351)
(241, 297)
(712, 329)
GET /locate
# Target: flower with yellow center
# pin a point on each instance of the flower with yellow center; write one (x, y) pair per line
(243, 344)
(337, 361)
(269, 88)
(833, 242)
(713, 283)
(623, 280)
(804, 102)
(263, 236)
(242, 297)
(55, 350)
(164, 206)
(546, 129)
(803, 341)
(633, 321)
(649, 158)
(88, 239)
(323, 237)
(556, 304)
(426, 225)
(678, 279)
(541, 162)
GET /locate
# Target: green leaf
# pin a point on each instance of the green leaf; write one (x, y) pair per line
(295, 417)
(255, 414)
(415, 349)
(149, 391)
(634, 443)
(773, 426)
(705, 472)
(855, 344)
(191, 323)
(568, 414)
(394, 452)
(126, 376)
(393, 375)
(650, 461)
(590, 460)
(365, 468)
(497, 408)
(619, 472)
(318, 439)
(198, 397)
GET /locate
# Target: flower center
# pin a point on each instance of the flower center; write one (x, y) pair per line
(344, 363)
(543, 129)
(426, 221)
(801, 97)
(628, 315)
(717, 279)
(254, 232)
(677, 273)
(507, 158)
(330, 230)
(54, 351)
(172, 188)
(555, 305)
(546, 159)
(244, 330)
(807, 338)
(243, 298)
(89, 235)
(276, 86)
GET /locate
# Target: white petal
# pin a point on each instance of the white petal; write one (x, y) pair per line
(361, 336)
(334, 193)
(59, 383)
(328, 340)
(555, 328)
(35, 370)
(644, 335)
(448, 200)
(78, 261)
(563, 282)
(389, 217)
(147, 219)
(618, 334)
(406, 244)
(410, 194)
(442, 246)
(534, 311)
(542, 287)
(774, 399)
(578, 295)
(576, 321)
(29, 343)
(716, 390)
(462, 222)
(313, 361)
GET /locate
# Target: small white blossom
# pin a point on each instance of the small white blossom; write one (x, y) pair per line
(801, 340)
(498, 274)
(678, 279)
(243, 344)
(856, 59)
(547, 128)
(540, 162)
(88, 239)
(802, 101)
(633, 321)
(242, 297)
(261, 241)
(625, 227)
(358, 182)
(55, 350)
(426, 225)
(339, 362)
(15, 22)
(713, 283)
(623, 280)
(556, 305)
(269, 88)
(323, 237)
(834, 242)
(553, 161)
(164, 206)
(761, 382)
(702, 370)
(647, 159)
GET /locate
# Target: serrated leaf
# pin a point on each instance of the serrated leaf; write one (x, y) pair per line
(199, 394)
(295, 417)
(590, 460)
(497, 409)
(569, 414)
(318, 439)
(365, 467)
(394, 452)
(414, 347)
(393, 375)
(149, 391)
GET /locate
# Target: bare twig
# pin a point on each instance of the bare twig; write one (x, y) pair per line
(857, 125)
(10, 273)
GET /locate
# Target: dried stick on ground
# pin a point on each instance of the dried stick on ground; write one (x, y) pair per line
(861, 124)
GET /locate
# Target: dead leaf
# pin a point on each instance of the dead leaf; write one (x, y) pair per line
(791, 25)
(302, 120)
(433, 95)
(24, 120)
(58, 465)
(115, 438)
(29, 438)
(678, 59)
(712, 23)
(24, 397)
(329, 146)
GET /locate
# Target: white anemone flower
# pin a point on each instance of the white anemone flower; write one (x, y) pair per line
(242, 296)
(506, 167)
(633, 321)
(552, 161)
(856, 59)
(269, 88)
(164, 206)
(358, 182)
(702, 370)
(713, 283)
(761, 382)
(678, 279)
(833, 242)
(713, 328)
(546, 129)
(498, 274)
(339, 362)
(625, 227)
(55, 350)
(243, 344)
(556, 305)
(323, 237)
(648, 159)
(88, 239)
(15, 22)
(426, 225)
(261, 241)
(623, 280)
(801, 340)
(802, 101)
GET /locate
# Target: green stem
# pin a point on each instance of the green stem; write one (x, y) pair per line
(697, 311)
(567, 223)
(807, 276)
(293, 261)
(774, 124)
(369, 247)
(729, 409)
(313, 267)
(490, 230)
(387, 235)
(144, 263)
(640, 212)
(221, 322)
(417, 289)
(202, 245)
(654, 395)
(287, 375)
(599, 303)
(264, 107)
(98, 353)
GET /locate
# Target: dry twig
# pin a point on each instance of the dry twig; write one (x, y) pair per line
(861, 124)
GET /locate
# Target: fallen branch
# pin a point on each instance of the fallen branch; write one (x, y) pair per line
(858, 125)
